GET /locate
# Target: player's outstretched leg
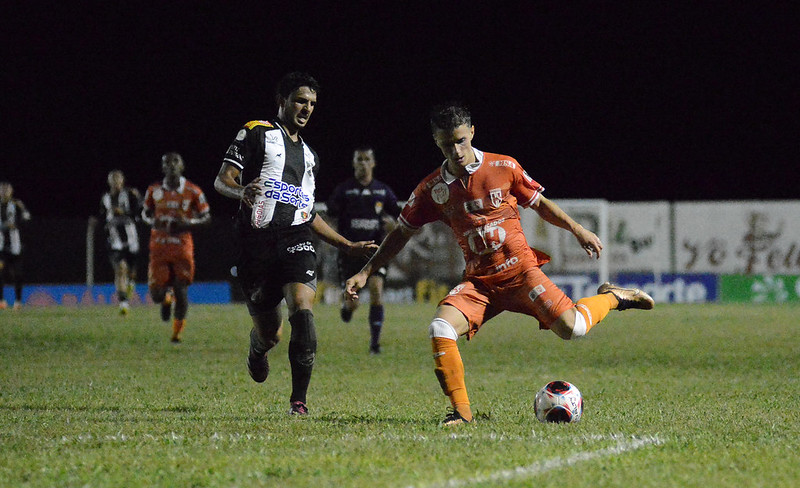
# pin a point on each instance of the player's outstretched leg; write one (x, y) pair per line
(591, 310)
(627, 298)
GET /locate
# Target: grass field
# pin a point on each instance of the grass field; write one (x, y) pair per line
(690, 396)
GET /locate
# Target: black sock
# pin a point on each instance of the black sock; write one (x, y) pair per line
(302, 351)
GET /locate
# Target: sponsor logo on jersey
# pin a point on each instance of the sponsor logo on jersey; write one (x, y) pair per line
(536, 292)
(364, 224)
(457, 289)
(503, 163)
(285, 193)
(473, 205)
(527, 177)
(410, 201)
(440, 193)
(496, 195)
(303, 246)
(509, 263)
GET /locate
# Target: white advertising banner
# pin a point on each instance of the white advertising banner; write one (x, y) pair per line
(637, 238)
(746, 237)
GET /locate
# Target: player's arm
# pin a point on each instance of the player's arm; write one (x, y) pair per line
(553, 214)
(227, 184)
(329, 235)
(395, 241)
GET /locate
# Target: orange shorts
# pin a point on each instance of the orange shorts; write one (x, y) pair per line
(530, 292)
(170, 264)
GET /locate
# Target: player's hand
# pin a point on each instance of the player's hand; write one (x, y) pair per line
(590, 243)
(251, 191)
(362, 248)
(353, 284)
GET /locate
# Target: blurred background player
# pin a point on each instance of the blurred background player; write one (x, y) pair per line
(477, 194)
(12, 213)
(173, 207)
(366, 209)
(120, 206)
(274, 227)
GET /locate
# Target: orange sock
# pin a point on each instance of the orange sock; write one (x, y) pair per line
(595, 308)
(450, 372)
(177, 327)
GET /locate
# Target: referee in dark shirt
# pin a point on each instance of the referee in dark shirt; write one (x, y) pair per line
(364, 208)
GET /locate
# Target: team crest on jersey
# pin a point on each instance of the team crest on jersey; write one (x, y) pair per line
(158, 194)
(473, 206)
(378, 207)
(440, 193)
(496, 196)
(241, 135)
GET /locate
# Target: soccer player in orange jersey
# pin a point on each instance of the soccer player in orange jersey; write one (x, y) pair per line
(173, 207)
(477, 193)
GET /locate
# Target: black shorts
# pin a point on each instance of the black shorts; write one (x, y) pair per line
(116, 256)
(350, 265)
(270, 259)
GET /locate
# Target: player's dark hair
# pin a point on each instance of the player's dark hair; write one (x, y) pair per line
(449, 116)
(293, 81)
(364, 148)
(170, 155)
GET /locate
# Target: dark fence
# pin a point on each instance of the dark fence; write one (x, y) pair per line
(55, 251)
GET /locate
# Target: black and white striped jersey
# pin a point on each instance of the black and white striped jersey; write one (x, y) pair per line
(120, 212)
(287, 169)
(12, 213)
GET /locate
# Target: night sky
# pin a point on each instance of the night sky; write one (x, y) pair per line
(619, 100)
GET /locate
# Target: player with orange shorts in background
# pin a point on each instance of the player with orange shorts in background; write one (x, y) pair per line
(476, 194)
(172, 207)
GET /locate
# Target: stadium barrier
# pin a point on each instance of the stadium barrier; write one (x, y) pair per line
(686, 252)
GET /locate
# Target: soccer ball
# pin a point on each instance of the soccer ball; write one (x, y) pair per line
(558, 401)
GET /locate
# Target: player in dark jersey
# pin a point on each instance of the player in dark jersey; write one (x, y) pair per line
(365, 208)
(119, 208)
(12, 213)
(274, 227)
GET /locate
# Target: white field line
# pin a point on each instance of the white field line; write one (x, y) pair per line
(236, 437)
(541, 467)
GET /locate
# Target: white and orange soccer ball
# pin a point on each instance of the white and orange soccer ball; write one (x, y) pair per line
(558, 401)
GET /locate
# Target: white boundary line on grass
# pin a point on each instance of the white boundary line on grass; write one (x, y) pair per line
(541, 467)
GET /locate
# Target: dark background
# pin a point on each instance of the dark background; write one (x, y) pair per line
(607, 99)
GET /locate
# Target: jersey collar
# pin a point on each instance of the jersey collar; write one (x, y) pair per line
(181, 185)
(471, 168)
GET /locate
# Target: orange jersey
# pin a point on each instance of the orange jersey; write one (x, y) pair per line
(481, 209)
(186, 202)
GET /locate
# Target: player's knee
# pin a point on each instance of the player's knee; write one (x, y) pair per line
(303, 340)
(441, 328)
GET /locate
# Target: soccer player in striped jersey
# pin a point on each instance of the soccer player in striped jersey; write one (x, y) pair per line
(12, 213)
(365, 208)
(476, 193)
(173, 207)
(271, 171)
(120, 208)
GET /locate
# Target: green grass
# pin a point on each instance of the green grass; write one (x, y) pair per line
(694, 396)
